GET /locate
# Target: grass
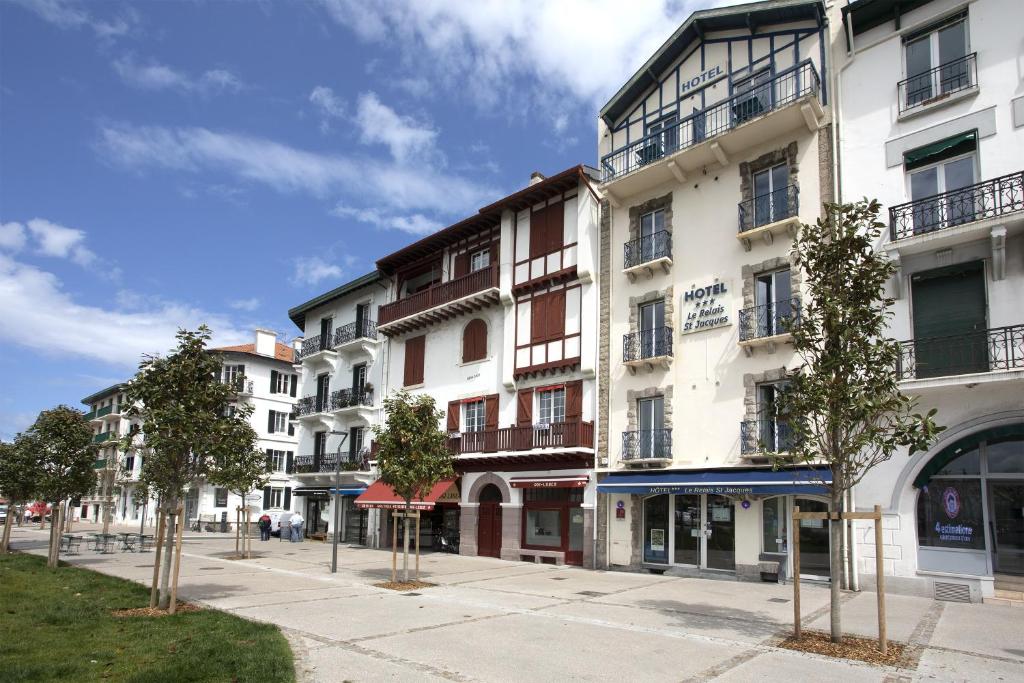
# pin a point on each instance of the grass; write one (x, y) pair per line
(57, 625)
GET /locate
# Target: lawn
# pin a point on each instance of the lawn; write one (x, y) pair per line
(56, 625)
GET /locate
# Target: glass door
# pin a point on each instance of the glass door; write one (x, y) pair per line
(720, 533)
(687, 545)
(652, 427)
(773, 294)
(770, 194)
(953, 208)
(650, 225)
(652, 320)
(656, 529)
(814, 541)
(1007, 502)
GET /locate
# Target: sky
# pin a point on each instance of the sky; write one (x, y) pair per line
(167, 164)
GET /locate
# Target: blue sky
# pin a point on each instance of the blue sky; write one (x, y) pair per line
(164, 164)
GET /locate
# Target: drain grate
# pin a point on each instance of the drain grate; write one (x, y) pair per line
(952, 592)
(591, 594)
(780, 600)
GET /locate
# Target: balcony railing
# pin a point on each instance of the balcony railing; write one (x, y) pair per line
(647, 344)
(350, 398)
(103, 437)
(649, 444)
(439, 294)
(783, 89)
(554, 435)
(987, 199)
(104, 411)
(768, 320)
(765, 435)
(239, 385)
(327, 462)
(314, 345)
(1000, 348)
(311, 405)
(363, 329)
(938, 83)
(768, 208)
(91, 415)
(647, 248)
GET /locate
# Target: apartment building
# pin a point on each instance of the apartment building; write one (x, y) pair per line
(711, 155)
(931, 122)
(340, 360)
(113, 498)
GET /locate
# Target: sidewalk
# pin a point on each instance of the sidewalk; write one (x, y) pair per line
(491, 620)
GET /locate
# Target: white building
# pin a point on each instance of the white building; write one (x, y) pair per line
(114, 469)
(931, 122)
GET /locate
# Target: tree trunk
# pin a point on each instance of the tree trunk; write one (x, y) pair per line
(173, 605)
(165, 570)
(54, 557)
(5, 542)
(836, 567)
(159, 547)
(405, 544)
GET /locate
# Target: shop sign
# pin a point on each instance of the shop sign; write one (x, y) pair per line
(704, 307)
(452, 495)
(620, 510)
(953, 514)
(711, 490)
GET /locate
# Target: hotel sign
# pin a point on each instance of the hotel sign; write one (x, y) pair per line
(711, 75)
(704, 307)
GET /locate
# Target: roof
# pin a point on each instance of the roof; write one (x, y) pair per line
(282, 352)
(298, 313)
(863, 15)
(748, 16)
(103, 393)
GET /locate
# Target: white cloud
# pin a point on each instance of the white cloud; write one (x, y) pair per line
(38, 314)
(406, 138)
(12, 236)
(416, 224)
(156, 76)
(328, 104)
(250, 304)
(61, 242)
(68, 14)
(310, 270)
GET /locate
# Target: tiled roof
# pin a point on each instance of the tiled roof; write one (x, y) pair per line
(281, 351)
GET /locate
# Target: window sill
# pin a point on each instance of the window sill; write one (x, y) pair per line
(409, 387)
(938, 103)
(473, 362)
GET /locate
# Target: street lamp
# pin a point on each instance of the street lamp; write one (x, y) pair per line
(336, 499)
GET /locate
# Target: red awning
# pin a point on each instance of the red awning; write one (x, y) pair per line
(571, 481)
(380, 495)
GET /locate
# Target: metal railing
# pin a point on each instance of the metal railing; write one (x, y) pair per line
(647, 344)
(999, 348)
(779, 91)
(103, 437)
(239, 385)
(319, 463)
(363, 329)
(647, 444)
(765, 435)
(987, 199)
(554, 435)
(770, 319)
(938, 83)
(647, 248)
(350, 398)
(768, 208)
(314, 345)
(91, 415)
(311, 405)
(442, 293)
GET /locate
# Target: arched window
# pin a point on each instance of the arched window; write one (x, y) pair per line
(474, 341)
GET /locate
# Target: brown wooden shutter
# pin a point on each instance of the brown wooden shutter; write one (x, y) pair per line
(474, 341)
(414, 352)
(494, 253)
(555, 315)
(538, 233)
(454, 407)
(555, 224)
(461, 265)
(538, 318)
(491, 411)
(574, 401)
(524, 408)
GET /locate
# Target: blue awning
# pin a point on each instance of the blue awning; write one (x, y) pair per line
(729, 482)
(349, 491)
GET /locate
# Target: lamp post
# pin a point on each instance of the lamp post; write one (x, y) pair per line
(336, 500)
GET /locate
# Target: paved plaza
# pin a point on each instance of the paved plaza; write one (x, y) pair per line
(491, 620)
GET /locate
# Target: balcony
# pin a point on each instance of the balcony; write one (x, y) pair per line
(440, 302)
(993, 352)
(351, 400)
(325, 463)
(100, 464)
(946, 83)
(315, 348)
(707, 137)
(645, 254)
(355, 332)
(768, 215)
(91, 415)
(647, 349)
(240, 385)
(522, 439)
(651, 446)
(768, 324)
(765, 436)
(104, 437)
(308, 406)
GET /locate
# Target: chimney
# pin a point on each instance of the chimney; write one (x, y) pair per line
(266, 341)
(536, 177)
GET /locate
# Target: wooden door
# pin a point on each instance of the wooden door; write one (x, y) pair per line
(489, 531)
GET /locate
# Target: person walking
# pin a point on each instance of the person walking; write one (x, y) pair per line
(296, 522)
(264, 525)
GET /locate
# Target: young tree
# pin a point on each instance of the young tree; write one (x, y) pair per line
(185, 427)
(843, 402)
(247, 471)
(412, 452)
(61, 441)
(19, 473)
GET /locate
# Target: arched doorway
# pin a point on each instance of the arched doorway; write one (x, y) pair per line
(489, 522)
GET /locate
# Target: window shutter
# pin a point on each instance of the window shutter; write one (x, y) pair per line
(273, 381)
(453, 415)
(414, 351)
(461, 265)
(287, 498)
(289, 465)
(574, 401)
(291, 429)
(555, 315)
(555, 227)
(524, 408)
(270, 458)
(494, 253)
(295, 385)
(538, 233)
(474, 341)
(266, 497)
(491, 411)
(241, 370)
(270, 422)
(538, 318)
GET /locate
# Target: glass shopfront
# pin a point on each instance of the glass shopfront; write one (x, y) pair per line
(553, 520)
(694, 530)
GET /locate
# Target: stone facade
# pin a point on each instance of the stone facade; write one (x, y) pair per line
(604, 362)
(767, 160)
(635, 302)
(751, 271)
(825, 157)
(635, 212)
(750, 382)
(633, 396)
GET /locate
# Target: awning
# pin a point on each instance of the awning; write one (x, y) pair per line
(943, 149)
(311, 491)
(572, 481)
(721, 482)
(347, 491)
(380, 495)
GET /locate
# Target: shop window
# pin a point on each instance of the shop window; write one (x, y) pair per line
(220, 498)
(1006, 457)
(656, 529)
(546, 517)
(773, 525)
(949, 514)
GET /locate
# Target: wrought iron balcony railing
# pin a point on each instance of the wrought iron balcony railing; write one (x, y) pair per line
(327, 462)
(1000, 348)
(311, 405)
(652, 444)
(768, 320)
(554, 435)
(647, 248)
(350, 398)
(104, 437)
(783, 89)
(765, 435)
(987, 199)
(239, 385)
(768, 208)
(647, 344)
(314, 345)
(439, 294)
(363, 329)
(938, 83)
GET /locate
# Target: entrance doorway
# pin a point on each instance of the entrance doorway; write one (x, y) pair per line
(814, 540)
(489, 522)
(315, 507)
(1007, 502)
(354, 521)
(690, 529)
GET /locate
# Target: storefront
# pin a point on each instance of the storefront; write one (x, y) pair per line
(438, 512)
(319, 514)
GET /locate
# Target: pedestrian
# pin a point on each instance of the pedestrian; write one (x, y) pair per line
(296, 522)
(264, 525)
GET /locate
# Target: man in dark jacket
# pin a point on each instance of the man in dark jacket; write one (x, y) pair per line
(264, 525)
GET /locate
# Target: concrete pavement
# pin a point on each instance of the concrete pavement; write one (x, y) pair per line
(490, 620)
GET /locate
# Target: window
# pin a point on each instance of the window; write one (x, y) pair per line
(771, 195)
(326, 326)
(773, 431)
(277, 423)
(474, 341)
(355, 440)
(773, 295)
(319, 443)
(773, 525)
(936, 61)
(948, 168)
(276, 498)
(547, 228)
(653, 441)
(415, 349)
(656, 521)
(281, 383)
(277, 460)
(652, 242)
(220, 498)
(473, 415)
(129, 464)
(654, 338)
(551, 406)
(233, 374)
(664, 139)
(479, 260)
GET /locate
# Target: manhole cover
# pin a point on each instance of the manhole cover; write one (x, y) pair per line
(777, 600)
(210, 569)
(591, 594)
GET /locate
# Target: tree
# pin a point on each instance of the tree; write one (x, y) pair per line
(843, 402)
(412, 452)
(185, 427)
(245, 472)
(60, 440)
(19, 473)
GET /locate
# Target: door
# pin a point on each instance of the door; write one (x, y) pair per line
(652, 322)
(773, 294)
(656, 529)
(652, 427)
(358, 382)
(945, 48)
(326, 326)
(651, 226)
(323, 390)
(687, 545)
(574, 553)
(814, 541)
(950, 321)
(362, 315)
(489, 522)
(753, 96)
(720, 533)
(1007, 526)
(771, 195)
